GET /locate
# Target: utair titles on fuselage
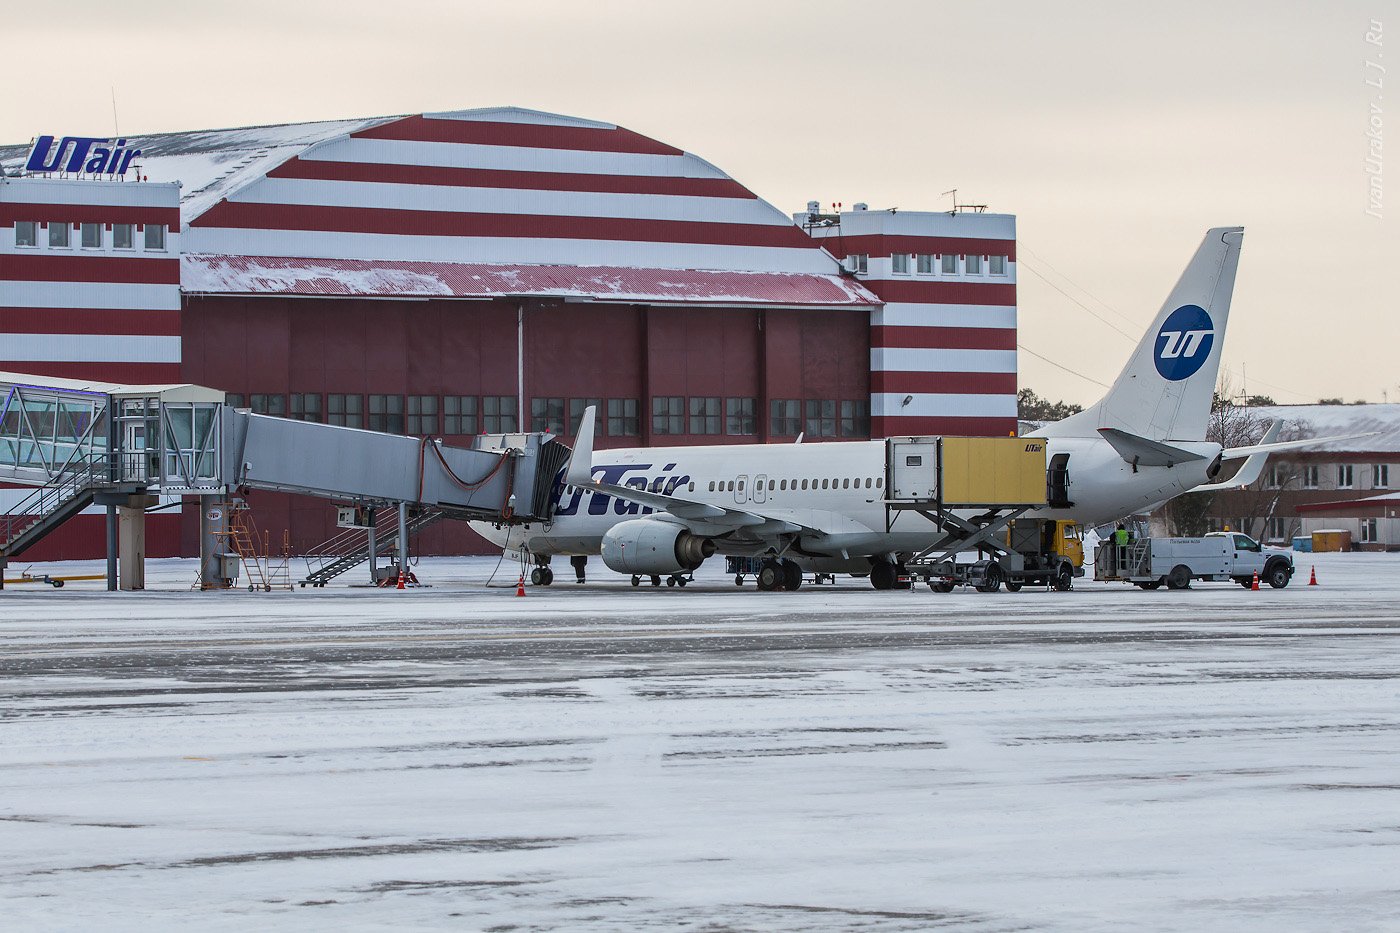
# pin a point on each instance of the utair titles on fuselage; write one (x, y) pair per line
(823, 506)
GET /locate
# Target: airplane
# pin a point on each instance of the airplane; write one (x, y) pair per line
(822, 507)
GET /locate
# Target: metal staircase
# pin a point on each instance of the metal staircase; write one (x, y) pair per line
(350, 548)
(50, 506)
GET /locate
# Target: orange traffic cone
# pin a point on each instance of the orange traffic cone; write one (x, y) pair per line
(1255, 584)
(1312, 577)
(520, 586)
(401, 586)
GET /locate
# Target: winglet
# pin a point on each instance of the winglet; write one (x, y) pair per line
(1251, 469)
(580, 472)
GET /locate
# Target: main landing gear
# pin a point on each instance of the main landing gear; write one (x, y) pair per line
(541, 576)
(675, 579)
(774, 575)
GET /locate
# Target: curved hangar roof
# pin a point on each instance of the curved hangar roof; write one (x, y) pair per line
(480, 203)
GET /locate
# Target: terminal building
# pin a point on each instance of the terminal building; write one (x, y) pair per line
(492, 270)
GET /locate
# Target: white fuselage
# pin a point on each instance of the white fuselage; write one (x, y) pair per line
(837, 488)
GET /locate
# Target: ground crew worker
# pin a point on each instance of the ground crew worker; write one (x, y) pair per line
(1121, 536)
(579, 562)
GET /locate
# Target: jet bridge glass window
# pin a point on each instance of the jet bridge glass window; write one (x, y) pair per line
(459, 414)
(499, 414)
(785, 417)
(305, 406)
(422, 415)
(25, 234)
(739, 416)
(821, 418)
(122, 236)
(668, 414)
(345, 410)
(268, 404)
(623, 419)
(58, 235)
(155, 236)
(576, 408)
(950, 263)
(547, 414)
(704, 415)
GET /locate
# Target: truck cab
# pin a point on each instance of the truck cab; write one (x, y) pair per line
(1249, 557)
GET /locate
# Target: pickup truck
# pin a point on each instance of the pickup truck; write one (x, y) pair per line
(1220, 555)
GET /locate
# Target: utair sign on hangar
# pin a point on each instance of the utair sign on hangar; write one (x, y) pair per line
(92, 155)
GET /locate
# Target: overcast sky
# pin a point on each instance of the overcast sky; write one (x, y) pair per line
(1117, 134)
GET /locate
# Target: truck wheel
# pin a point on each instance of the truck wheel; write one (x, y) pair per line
(992, 580)
(882, 575)
(1245, 582)
(1064, 578)
(1179, 578)
(738, 579)
(942, 586)
(1152, 585)
(1277, 574)
(636, 580)
(1013, 585)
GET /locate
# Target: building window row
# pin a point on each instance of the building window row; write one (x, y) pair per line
(421, 415)
(59, 235)
(937, 264)
(429, 415)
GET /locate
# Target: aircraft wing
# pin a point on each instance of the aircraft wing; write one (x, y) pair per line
(716, 518)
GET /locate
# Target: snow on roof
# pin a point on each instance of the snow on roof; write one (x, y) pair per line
(60, 384)
(220, 274)
(211, 164)
(1382, 422)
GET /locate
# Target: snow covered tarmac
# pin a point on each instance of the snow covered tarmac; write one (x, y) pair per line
(706, 759)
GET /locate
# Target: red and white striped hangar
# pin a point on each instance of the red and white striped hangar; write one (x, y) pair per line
(492, 270)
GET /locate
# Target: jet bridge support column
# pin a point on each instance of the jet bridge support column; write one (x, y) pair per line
(373, 549)
(403, 539)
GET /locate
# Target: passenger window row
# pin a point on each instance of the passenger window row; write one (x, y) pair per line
(783, 485)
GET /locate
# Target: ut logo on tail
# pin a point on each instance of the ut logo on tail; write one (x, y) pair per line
(1183, 343)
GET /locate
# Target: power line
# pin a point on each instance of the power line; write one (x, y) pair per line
(1089, 310)
(1022, 346)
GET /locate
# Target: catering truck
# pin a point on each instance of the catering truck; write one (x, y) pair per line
(1220, 555)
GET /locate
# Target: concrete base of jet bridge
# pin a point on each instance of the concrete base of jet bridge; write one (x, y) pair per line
(82, 443)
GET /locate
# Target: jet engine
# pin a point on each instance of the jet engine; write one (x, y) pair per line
(646, 546)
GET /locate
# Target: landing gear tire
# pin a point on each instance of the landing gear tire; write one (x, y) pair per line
(636, 580)
(541, 576)
(792, 575)
(1179, 578)
(1064, 578)
(770, 576)
(883, 575)
(655, 580)
(682, 581)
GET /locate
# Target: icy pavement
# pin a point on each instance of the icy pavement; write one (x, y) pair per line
(707, 759)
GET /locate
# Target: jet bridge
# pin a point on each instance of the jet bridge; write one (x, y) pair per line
(84, 443)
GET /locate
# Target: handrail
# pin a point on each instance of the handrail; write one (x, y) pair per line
(46, 499)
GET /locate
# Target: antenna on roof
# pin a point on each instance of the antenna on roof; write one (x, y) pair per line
(975, 208)
(116, 130)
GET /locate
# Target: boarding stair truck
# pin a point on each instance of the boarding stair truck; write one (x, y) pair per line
(975, 490)
(1150, 563)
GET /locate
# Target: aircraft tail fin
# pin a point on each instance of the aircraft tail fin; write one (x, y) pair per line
(1165, 390)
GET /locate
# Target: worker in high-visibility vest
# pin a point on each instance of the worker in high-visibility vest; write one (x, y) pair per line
(1121, 536)
(1120, 547)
